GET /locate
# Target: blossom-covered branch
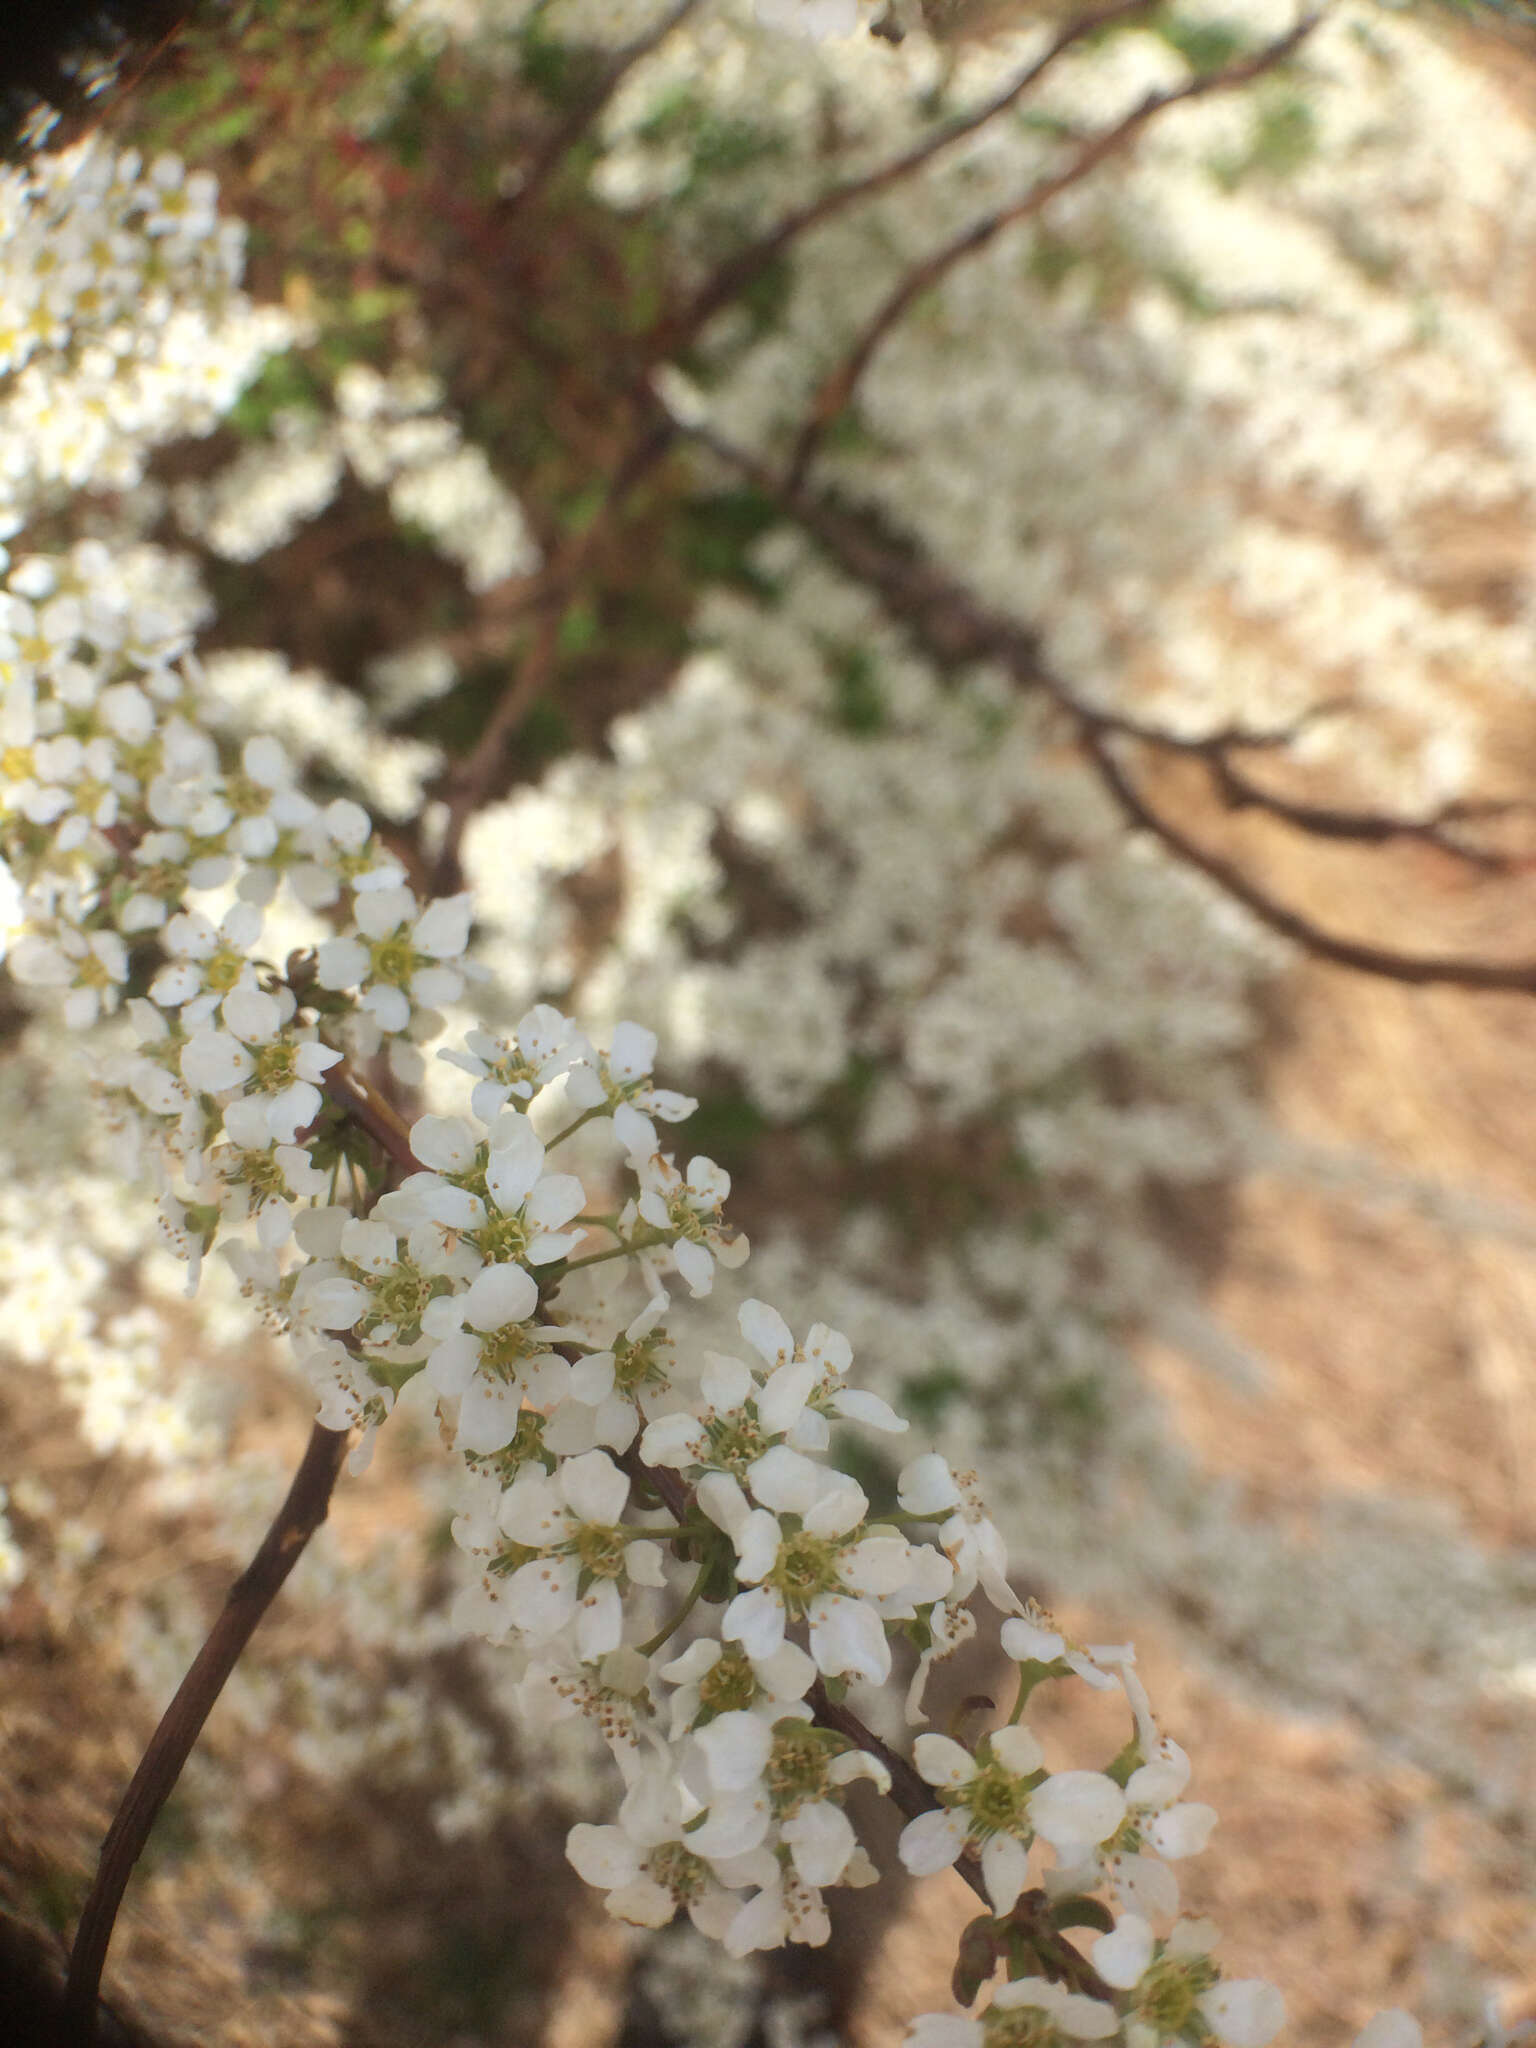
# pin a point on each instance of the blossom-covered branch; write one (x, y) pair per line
(954, 627)
(837, 389)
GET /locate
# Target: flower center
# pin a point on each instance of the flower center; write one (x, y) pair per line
(1167, 1993)
(503, 1239)
(1023, 2027)
(797, 1767)
(640, 1363)
(274, 1066)
(503, 1351)
(806, 1566)
(394, 960)
(729, 1684)
(601, 1550)
(678, 1871)
(997, 1801)
(222, 969)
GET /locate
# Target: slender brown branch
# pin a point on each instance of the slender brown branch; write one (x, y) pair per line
(1420, 970)
(369, 1110)
(300, 1515)
(838, 388)
(747, 265)
(1323, 821)
(470, 781)
(580, 119)
(953, 627)
(909, 1793)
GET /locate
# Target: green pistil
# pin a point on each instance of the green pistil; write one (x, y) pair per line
(639, 1364)
(1126, 1840)
(729, 1685)
(223, 969)
(394, 960)
(249, 799)
(685, 1221)
(997, 1801)
(736, 1444)
(797, 1768)
(142, 762)
(1167, 1994)
(510, 1460)
(88, 795)
(162, 880)
(350, 865)
(601, 1550)
(504, 1350)
(502, 1239)
(275, 1065)
(1024, 2027)
(399, 1296)
(261, 1174)
(678, 1871)
(806, 1565)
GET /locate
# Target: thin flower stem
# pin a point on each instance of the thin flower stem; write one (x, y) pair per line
(837, 389)
(649, 1649)
(572, 1128)
(301, 1514)
(609, 1223)
(618, 1251)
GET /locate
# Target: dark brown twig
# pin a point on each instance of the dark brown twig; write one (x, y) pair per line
(1324, 821)
(580, 119)
(952, 627)
(909, 1793)
(747, 265)
(1418, 970)
(838, 388)
(296, 1521)
(470, 781)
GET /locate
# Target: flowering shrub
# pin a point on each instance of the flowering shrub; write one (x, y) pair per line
(651, 1504)
(593, 1456)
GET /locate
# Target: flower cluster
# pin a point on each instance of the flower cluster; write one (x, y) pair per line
(655, 1528)
(614, 1489)
(122, 323)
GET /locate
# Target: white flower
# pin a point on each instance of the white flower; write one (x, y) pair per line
(969, 1537)
(505, 1363)
(396, 958)
(278, 1069)
(207, 961)
(714, 1678)
(543, 1046)
(648, 1881)
(532, 1205)
(816, 1571)
(687, 1212)
(1166, 1978)
(631, 1056)
(1392, 2028)
(815, 20)
(985, 1799)
(91, 965)
(1027, 1639)
(805, 1383)
(572, 1520)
